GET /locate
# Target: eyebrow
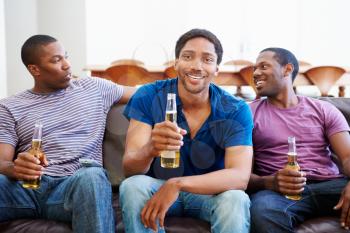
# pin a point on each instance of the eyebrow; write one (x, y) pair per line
(205, 53)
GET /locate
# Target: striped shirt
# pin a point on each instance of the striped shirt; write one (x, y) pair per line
(73, 122)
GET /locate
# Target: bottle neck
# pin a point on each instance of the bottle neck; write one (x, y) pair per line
(292, 157)
(36, 144)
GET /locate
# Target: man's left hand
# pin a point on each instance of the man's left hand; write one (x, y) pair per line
(157, 207)
(344, 204)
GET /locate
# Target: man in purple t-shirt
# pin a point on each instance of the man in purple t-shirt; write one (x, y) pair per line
(316, 125)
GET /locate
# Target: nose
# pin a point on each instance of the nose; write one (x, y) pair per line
(196, 64)
(256, 72)
(65, 64)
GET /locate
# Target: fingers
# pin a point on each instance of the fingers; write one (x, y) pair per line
(167, 136)
(339, 204)
(161, 218)
(290, 182)
(344, 217)
(149, 216)
(169, 129)
(27, 167)
(44, 160)
(289, 172)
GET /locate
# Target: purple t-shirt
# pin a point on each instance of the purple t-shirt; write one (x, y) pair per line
(311, 121)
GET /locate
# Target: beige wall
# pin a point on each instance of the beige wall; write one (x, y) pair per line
(3, 75)
(64, 19)
(21, 22)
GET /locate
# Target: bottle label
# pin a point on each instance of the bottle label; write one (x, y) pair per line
(168, 154)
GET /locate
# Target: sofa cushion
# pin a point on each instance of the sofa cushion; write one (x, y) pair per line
(321, 225)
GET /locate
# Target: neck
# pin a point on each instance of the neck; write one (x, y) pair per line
(192, 101)
(284, 99)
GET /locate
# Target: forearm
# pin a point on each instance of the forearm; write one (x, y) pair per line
(257, 183)
(213, 183)
(137, 162)
(7, 168)
(346, 167)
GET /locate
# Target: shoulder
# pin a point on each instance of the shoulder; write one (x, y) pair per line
(227, 100)
(150, 90)
(231, 106)
(317, 104)
(88, 81)
(15, 100)
(256, 104)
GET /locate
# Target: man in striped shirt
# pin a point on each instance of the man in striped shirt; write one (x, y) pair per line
(73, 113)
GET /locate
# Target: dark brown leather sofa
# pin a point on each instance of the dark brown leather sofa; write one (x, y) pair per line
(113, 150)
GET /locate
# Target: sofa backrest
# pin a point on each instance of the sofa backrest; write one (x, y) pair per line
(343, 104)
(117, 126)
(114, 142)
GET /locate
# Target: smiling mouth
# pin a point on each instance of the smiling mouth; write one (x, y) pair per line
(195, 77)
(259, 83)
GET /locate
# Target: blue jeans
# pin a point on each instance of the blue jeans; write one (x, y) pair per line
(226, 212)
(272, 212)
(85, 199)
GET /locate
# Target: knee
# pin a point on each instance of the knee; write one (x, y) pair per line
(264, 208)
(135, 191)
(233, 198)
(262, 202)
(133, 184)
(229, 203)
(92, 178)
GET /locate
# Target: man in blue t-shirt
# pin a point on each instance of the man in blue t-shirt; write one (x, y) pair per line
(213, 133)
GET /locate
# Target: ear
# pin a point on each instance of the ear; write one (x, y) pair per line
(34, 70)
(217, 70)
(288, 70)
(176, 63)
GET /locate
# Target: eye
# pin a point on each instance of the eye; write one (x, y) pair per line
(186, 56)
(264, 67)
(56, 60)
(209, 60)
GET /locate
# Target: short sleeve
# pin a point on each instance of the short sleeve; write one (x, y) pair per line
(139, 106)
(239, 127)
(8, 133)
(111, 92)
(335, 121)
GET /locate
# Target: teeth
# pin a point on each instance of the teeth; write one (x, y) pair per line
(195, 77)
(258, 83)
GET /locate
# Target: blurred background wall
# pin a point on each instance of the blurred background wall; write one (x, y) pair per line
(100, 31)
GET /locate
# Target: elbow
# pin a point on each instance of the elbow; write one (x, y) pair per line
(126, 168)
(130, 168)
(243, 182)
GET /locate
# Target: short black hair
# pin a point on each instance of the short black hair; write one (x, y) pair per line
(284, 57)
(31, 47)
(194, 33)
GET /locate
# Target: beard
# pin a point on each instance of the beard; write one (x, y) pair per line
(192, 89)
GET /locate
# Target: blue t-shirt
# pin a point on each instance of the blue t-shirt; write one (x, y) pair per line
(229, 124)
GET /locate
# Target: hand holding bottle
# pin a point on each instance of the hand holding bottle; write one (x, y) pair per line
(28, 167)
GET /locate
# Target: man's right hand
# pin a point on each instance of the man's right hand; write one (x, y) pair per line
(287, 181)
(27, 167)
(166, 136)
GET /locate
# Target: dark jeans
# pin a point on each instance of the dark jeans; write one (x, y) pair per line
(272, 212)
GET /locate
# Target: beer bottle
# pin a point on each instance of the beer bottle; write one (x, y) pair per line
(170, 159)
(292, 163)
(36, 151)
